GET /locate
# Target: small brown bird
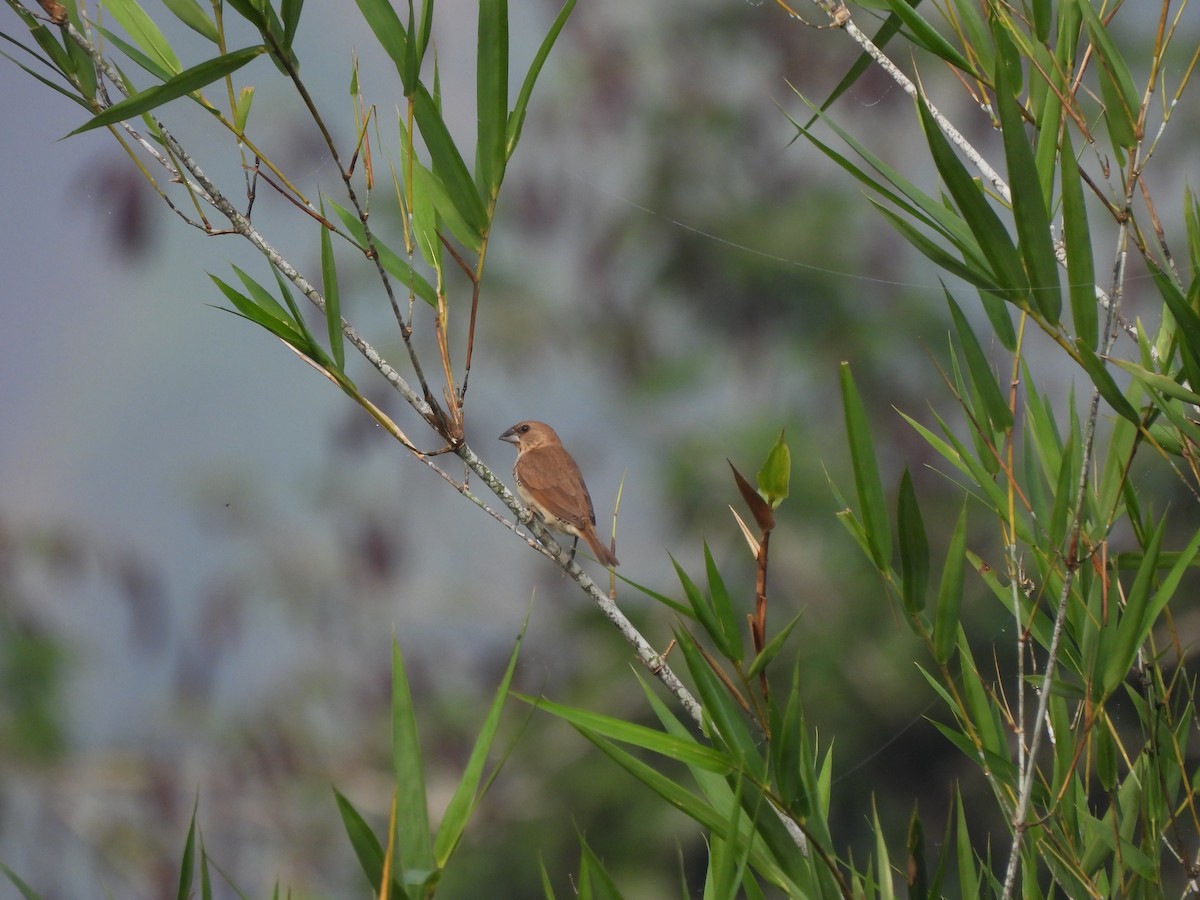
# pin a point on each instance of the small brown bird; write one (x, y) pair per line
(549, 480)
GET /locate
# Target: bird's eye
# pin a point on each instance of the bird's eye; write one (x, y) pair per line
(524, 429)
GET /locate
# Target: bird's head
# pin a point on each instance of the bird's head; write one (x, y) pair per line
(530, 435)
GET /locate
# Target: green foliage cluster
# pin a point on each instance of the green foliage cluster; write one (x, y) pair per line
(1096, 804)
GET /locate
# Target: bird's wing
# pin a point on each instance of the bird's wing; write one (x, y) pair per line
(552, 476)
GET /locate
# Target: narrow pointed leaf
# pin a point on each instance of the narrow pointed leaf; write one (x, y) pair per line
(389, 31)
(412, 810)
(462, 802)
(366, 846)
(704, 613)
(772, 648)
(949, 602)
(982, 376)
(517, 119)
(991, 235)
(1030, 210)
(491, 95)
(1077, 239)
(333, 303)
(869, 485)
(928, 37)
(731, 641)
(1132, 628)
(685, 749)
(1104, 383)
(188, 863)
(447, 162)
(1121, 103)
(289, 13)
(192, 14)
(144, 32)
(181, 85)
(914, 547)
(724, 712)
(392, 262)
(26, 891)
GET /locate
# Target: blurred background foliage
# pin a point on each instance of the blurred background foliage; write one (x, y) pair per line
(672, 280)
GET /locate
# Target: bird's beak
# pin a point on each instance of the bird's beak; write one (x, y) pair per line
(510, 436)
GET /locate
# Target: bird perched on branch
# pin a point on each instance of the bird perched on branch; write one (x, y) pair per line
(549, 481)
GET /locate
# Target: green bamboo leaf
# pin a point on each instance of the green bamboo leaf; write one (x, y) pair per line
(392, 262)
(144, 32)
(683, 748)
(447, 162)
(366, 846)
(1121, 102)
(1068, 471)
(866, 473)
(1030, 210)
(60, 58)
(275, 320)
(70, 95)
(187, 864)
(182, 84)
(333, 303)
(253, 11)
(991, 235)
(27, 892)
(706, 614)
(595, 881)
(389, 31)
(241, 113)
(1104, 383)
(1119, 645)
(412, 810)
(982, 377)
(205, 877)
(864, 62)
(413, 58)
(968, 873)
(309, 347)
(971, 271)
(721, 709)
(1046, 108)
(919, 205)
(776, 473)
(914, 547)
(950, 591)
(1000, 316)
(731, 643)
(1170, 584)
(1077, 239)
(786, 750)
(192, 14)
(151, 65)
(886, 890)
(434, 192)
(463, 801)
(772, 648)
(1163, 384)
(1183, 310)
(986, 717)
(925, 35)
(516, 119)
(491, 96)
(680, 608)
(289, 12)
(675, 794)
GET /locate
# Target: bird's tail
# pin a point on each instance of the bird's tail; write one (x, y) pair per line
(603, 554)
